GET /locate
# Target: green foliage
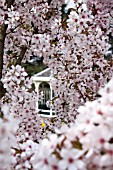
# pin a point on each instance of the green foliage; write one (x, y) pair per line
(32, 69)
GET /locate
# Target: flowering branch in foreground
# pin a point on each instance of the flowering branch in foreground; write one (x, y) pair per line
(86, 145)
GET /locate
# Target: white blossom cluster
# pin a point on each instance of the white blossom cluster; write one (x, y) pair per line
(25, 21)
(21, 23)
(8, 128)
(77, 63)
(73, 46)
(22, 103)
(86, 145)
(102, 9)
(21, 158)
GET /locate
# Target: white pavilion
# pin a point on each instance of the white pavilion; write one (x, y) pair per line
(42, 84)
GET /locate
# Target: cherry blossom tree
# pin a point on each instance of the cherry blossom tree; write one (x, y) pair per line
(20, 27)
(18, 30)
(88, 144)
(25, 30)
(73, 46)
(77, 63)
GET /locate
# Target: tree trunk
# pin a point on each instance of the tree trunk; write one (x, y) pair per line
(3, 29)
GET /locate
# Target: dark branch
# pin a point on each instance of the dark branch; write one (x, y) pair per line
(49, 1)
(21, 56)
(82, 95)
(3, 29)
(9, 3)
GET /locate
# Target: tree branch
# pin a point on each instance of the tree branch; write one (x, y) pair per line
(21, 56)
(9, 3)
(3, 29)
(49, 1)
(13, 30)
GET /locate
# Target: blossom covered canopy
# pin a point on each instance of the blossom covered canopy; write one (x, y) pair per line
(73, 45)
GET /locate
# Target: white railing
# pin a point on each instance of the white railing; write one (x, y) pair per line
(51, 115)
